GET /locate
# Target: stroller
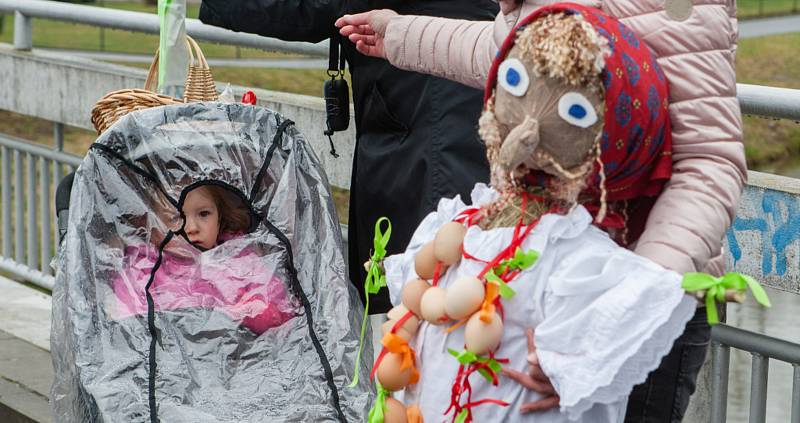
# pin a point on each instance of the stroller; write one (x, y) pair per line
(197, 361)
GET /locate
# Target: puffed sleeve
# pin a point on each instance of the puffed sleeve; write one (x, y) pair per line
(610, 317)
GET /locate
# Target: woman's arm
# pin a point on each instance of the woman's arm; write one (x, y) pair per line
(291, 20)
(455, 49)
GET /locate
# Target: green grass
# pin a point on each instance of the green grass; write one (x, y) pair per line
(771, 145)
(761, 8)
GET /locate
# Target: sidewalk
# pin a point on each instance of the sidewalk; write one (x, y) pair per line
(769, 26)
(26, 371)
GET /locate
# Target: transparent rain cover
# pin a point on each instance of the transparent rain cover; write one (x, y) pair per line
(261, 328)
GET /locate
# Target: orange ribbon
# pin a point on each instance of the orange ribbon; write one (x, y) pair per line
(413, 414)
(397, 345)
(487, 308)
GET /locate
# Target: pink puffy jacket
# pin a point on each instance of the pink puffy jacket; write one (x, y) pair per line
(243, 287)
(696, 46)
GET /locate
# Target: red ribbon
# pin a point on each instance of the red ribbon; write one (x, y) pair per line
(401, 322)
(437, 271)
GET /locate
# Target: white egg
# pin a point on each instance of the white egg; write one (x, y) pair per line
(481, 337)
(395, 412)
(412, 295)
(464, 297)
(389, 374)
(432, 306)
(425, 262)
(447, 244)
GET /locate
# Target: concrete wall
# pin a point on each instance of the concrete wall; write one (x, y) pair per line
(764, 240)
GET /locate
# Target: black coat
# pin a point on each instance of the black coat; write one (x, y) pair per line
(416, 135)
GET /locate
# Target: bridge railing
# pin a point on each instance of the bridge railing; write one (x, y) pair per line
(29, 241)
(764, 240)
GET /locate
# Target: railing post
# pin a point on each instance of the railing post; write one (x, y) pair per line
(758, 389)
(19, 210)
(58, 145)
(796, 395)
(44, 193)
(720, 366)
(58, 136)
(33, 247)
(6, 198)
(23, 32)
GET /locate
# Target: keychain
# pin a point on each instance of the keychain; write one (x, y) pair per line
(337, 94)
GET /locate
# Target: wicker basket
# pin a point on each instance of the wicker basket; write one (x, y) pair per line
(199, 86)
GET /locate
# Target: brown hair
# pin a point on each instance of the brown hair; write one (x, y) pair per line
(234, 216)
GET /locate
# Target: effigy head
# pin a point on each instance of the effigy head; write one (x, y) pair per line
(576, 104)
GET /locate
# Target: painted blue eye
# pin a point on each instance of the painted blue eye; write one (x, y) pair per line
(513, 77)
(577, 110)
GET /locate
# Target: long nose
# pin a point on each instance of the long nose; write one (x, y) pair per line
(520, 144)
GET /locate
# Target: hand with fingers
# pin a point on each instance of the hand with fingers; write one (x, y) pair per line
(507, 6)
(367, 30)
(535, 380)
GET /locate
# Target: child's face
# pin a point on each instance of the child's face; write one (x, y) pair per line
(202, 218)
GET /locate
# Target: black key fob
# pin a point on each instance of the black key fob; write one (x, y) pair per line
(337, 105)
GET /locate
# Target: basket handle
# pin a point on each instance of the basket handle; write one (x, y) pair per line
(195, 53)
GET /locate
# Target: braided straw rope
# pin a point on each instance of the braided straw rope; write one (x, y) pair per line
(199, 86)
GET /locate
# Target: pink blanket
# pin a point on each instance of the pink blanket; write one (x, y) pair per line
(242, 287)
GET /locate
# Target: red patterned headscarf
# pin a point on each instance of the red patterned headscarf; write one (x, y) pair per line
(636, 145)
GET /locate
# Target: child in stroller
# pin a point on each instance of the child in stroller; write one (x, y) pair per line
(157, 320)
(241, 288)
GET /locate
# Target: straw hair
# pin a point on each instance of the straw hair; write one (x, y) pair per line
(565, 47)
(199, 86)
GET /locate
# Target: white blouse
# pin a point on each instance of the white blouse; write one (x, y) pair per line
(603, 318)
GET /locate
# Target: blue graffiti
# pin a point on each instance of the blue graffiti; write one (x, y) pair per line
(779, 227)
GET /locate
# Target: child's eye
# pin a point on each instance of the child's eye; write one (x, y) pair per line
(205, 213)
(577, 110)
(513, 77)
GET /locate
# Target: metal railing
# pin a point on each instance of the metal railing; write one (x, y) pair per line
(762, 348)
(25, 10)
(30, 174)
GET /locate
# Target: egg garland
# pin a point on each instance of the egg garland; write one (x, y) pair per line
(470, 301)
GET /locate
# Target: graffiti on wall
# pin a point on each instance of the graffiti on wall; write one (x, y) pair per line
(764, 240)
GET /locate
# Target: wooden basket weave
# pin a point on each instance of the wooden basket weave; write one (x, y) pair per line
(199, 86)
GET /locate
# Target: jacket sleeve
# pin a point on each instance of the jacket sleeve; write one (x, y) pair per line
(454, 49)
(290, 20)
(687, 225)
(459, 50)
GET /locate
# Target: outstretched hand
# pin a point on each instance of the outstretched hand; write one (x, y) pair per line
(535, 380)
(367, 30)
(507, 6)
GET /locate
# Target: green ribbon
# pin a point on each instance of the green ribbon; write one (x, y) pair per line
(520, 261)
(374, 282)
(468, 357)
(715, 290)
(376, 413)
(163, 7)
(505, 290)
(464, 357)
(462, 417)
